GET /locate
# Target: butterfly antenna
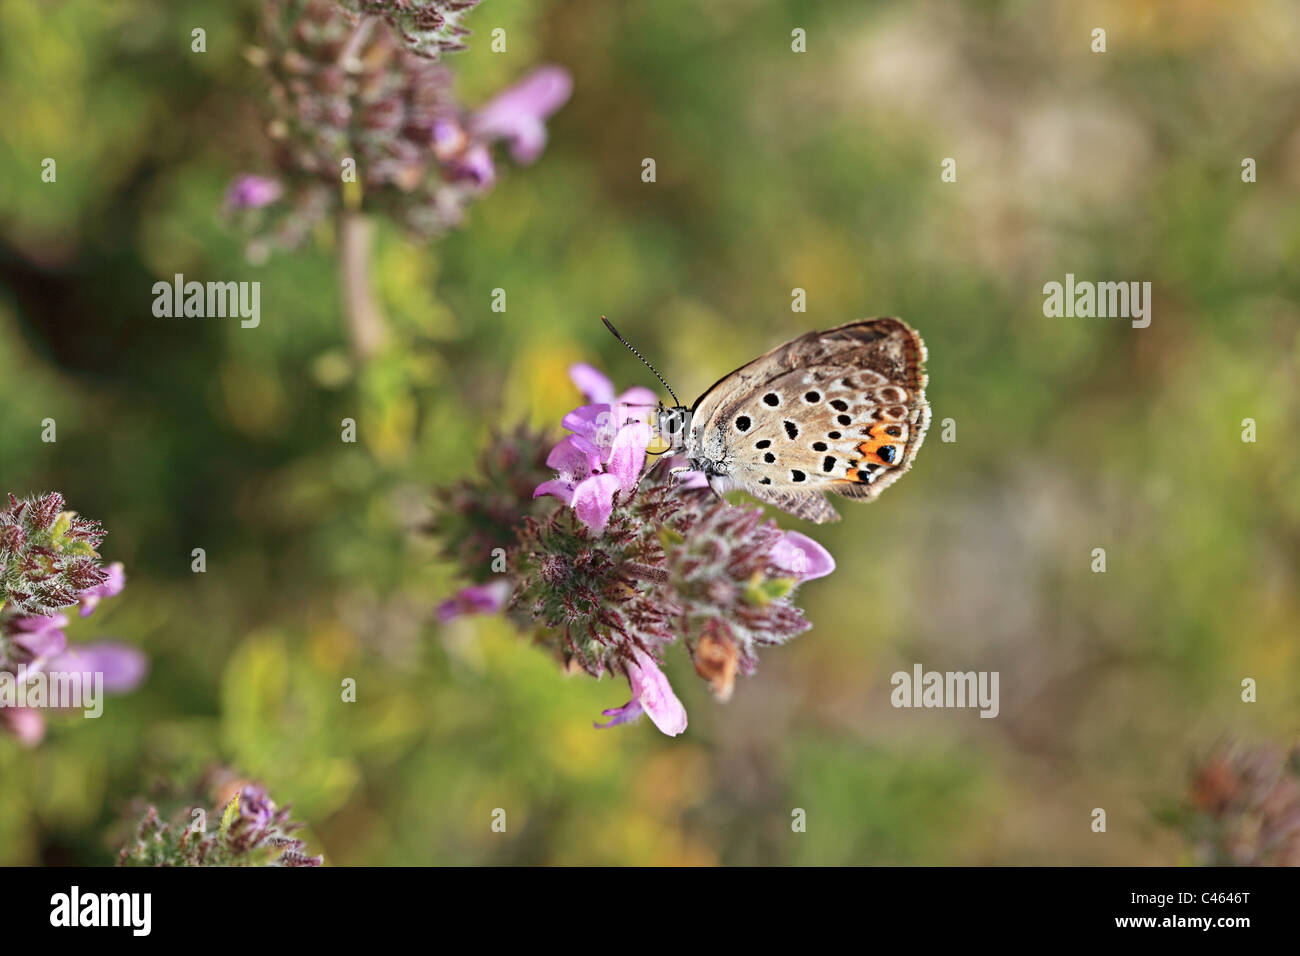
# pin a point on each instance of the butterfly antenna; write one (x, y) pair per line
(610, 326)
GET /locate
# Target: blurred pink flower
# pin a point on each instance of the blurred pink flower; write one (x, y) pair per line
(123, 667)
(24, 723)
(112, 586)
(517, 117)
(40, 637)
(250, 191)
(476, 599)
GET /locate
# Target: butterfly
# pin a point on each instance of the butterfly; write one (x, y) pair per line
(841, 412)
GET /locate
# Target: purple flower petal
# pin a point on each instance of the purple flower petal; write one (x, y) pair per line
(123, 666)
(627, 455)
(557, 488)
(112, 586)
(256, 806)
(801, 556)
(38, 623)
(26, 724)
(652, 691)
(252, 192)
(594, 423)
(575, 458)
(687, 480)
(595, 387)
(634, 402)
(41, 637)
(473, 165)
(518, 115)
(620, 715)
(476, 599)
(593, 501)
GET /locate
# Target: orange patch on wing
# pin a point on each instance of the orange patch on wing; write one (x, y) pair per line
(888, 433)
(871, 451)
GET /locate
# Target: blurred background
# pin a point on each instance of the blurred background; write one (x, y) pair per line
(775, 170)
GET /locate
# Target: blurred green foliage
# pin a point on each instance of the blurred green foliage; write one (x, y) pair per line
(776, 170)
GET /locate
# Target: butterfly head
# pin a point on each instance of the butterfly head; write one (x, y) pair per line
(674, 424)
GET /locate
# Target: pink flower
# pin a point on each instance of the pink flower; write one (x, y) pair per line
(627, 455)
(599, 390)
(123, 667)
(592, 498)
(593, 501)
(606, 452)
(518, 115)
(40, 637)
(651, 694)
(476, 599)
(252, 192)
(576, 459)
(802, 556)
(112, 586)
(23, 723)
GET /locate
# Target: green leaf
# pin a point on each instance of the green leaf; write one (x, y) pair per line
(61, 525)
(763, 592)
(229, 815)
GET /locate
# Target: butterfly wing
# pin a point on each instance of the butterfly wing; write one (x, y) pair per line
(840, 411)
